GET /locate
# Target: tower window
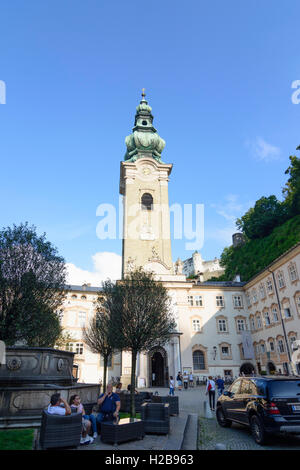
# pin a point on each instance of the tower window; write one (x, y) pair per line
(144, 123)
(147, 202)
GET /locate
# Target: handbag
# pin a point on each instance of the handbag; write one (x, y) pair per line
(209, 387)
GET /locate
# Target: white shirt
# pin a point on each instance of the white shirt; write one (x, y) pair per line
(172, 383)
(56, 410)
(185, 377)
(213, 385)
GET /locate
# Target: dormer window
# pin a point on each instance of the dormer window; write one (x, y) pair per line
(147, 202)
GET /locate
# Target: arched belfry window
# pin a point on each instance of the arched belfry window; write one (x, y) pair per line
(147, 202)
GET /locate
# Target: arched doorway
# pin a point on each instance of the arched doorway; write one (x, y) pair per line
(271, 368)
(158, 368)
(247, 368)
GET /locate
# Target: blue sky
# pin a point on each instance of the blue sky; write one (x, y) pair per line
(217, 74)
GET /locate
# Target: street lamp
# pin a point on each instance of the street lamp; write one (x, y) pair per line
(215, 352)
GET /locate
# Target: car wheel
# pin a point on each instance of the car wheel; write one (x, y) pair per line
(258, 431)
(225, 423)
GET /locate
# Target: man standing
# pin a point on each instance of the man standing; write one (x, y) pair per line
(211, 391)
(109, 405)
(185, 380)
(191, 379)
(220, 384)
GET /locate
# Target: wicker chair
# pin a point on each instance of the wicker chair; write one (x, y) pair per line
(88, 407)
(173, 402)
(60, 431)
(139, 398)
(156, 417)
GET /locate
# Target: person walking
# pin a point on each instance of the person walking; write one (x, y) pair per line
(172, 386)
(220, 384)
(179, 381)
(211, 391)
(185, 380)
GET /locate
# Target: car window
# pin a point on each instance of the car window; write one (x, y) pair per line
(260, 387)
(284, 388)
(248, 388)
(245, 388)
(235, 386)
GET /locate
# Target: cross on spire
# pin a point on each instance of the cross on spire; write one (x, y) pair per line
(143, 93)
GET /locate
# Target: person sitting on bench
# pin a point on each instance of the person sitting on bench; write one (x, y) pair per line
(109, 405)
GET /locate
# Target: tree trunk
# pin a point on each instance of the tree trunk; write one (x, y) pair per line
(105, 358)
(132, 391)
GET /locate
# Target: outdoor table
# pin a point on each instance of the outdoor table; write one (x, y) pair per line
(125, 429)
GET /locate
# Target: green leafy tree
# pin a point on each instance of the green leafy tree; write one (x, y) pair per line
(291, 191)
(143, 317)
(32, 282)
(260, 220)
(101, 335)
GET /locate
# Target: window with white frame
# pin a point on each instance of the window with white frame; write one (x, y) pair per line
(280, 346)
(275, 314)
(262, 348)
(240, 324)
(272, 348)
(225, 350)
(79, 348)
(196, 324)
(252, 323)
(237, 301)
(198, 300)
(258, 322)
(293, 272)
(269, 286)
(262, 291)
(267, 318)
(81, 318)
(292, 339)
(190, 300)
(220, 300)
(280, 280)
(222, 325)
(287, 312)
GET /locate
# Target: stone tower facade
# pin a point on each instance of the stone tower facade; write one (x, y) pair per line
(144, 186)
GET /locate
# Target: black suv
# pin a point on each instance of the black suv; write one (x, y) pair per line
(267, 404)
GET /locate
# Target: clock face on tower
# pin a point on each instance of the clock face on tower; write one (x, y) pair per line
(146, 172)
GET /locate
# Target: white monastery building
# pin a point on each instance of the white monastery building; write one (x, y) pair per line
(223, 328)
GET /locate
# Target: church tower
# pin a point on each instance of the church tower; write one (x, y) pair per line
(144, 186)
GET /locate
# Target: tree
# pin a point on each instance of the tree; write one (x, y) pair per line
(260, 220)
(32, 282)
(100, 334)
(291, 191)
(143, 317)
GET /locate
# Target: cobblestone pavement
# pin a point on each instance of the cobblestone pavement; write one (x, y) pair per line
(238, 437)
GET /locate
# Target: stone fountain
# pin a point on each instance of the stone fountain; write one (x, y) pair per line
(29, 378)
